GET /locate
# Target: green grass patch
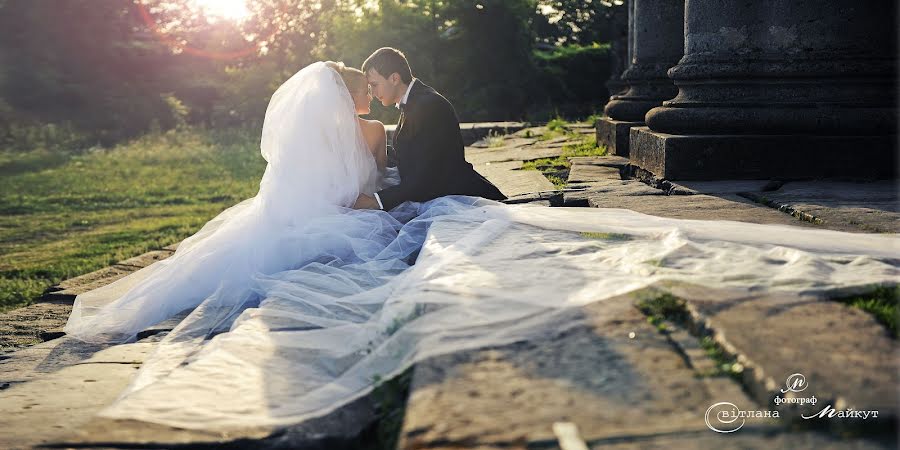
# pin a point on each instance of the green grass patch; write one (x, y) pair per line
(605, 236)
(495, 139)
(725, 364)
(71, 215)
(557, 169)
(390, 399)
(557, 127)
(882, 302)
(661, 308)
(586, 146)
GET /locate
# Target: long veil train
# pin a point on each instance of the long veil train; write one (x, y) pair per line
(301, 304)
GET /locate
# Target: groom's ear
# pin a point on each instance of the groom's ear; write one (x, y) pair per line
(395, 78)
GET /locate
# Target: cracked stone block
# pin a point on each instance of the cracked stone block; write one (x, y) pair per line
(611, 383)
(842, 352)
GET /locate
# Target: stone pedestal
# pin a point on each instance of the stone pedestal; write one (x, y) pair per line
(614, 134)
(778, 88)
(758, 156)
(655, 38)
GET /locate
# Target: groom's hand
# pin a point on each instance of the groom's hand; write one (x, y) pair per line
(365, 202)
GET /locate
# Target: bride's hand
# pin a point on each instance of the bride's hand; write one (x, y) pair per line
(365, 202)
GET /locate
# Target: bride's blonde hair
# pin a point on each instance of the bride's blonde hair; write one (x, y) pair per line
(354, 79)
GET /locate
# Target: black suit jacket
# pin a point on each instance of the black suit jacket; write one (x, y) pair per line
(430, 153)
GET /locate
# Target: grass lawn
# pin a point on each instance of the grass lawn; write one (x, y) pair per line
(62, 216)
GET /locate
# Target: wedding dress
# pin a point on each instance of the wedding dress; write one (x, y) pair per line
(300, 304)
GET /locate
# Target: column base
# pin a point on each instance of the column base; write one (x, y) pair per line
(614, 134)
(712, 157)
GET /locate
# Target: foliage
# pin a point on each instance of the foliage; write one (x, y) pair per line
(107, 205)
(478, 54)
(572, 79)
(110, 70)
(579, 22)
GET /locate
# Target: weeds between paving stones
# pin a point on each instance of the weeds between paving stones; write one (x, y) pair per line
(663, 308)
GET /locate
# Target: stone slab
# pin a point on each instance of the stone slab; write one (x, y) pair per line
(842, 351)
(699, 207)
(50, 393)
(480, 157)
(758, 438)
(514, 182)
(869, 207)
(612, 190)
(884, 191)
(608, 161)
(869, 217)
(59, 395)
(596, 375)
(614, 134)
(24, 326)
(724, 186)
(585, 173)
(541, 198)
(47, 357)
(747, 438)
(506, 141)
(677, 157)
(146, 259)
(67, 290)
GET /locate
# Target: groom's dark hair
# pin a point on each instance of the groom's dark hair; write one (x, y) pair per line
(387, 60)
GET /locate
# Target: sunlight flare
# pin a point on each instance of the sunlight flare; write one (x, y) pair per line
(234, 10)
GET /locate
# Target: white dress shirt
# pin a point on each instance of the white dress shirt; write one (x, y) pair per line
(402, 102)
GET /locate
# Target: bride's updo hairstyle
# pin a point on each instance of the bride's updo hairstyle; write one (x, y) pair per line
(354, 79)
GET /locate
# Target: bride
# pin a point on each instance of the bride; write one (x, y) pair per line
(298, 304)
(320, 156)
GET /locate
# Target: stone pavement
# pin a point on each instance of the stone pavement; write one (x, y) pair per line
(622, 380)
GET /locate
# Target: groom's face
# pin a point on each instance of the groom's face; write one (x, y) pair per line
(388, 90)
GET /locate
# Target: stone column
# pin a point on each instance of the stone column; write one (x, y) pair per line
(656, 31)
(778, 89)
(619, 49)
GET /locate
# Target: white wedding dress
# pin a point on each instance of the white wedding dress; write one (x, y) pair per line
(299, 303)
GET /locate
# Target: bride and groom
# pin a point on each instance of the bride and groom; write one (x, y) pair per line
(297, 303)
(322, 160)
(427, 142)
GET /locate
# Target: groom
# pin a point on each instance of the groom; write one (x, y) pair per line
(427, 141)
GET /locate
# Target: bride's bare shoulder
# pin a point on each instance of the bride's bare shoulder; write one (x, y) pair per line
(371, 126)
(371, 123)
